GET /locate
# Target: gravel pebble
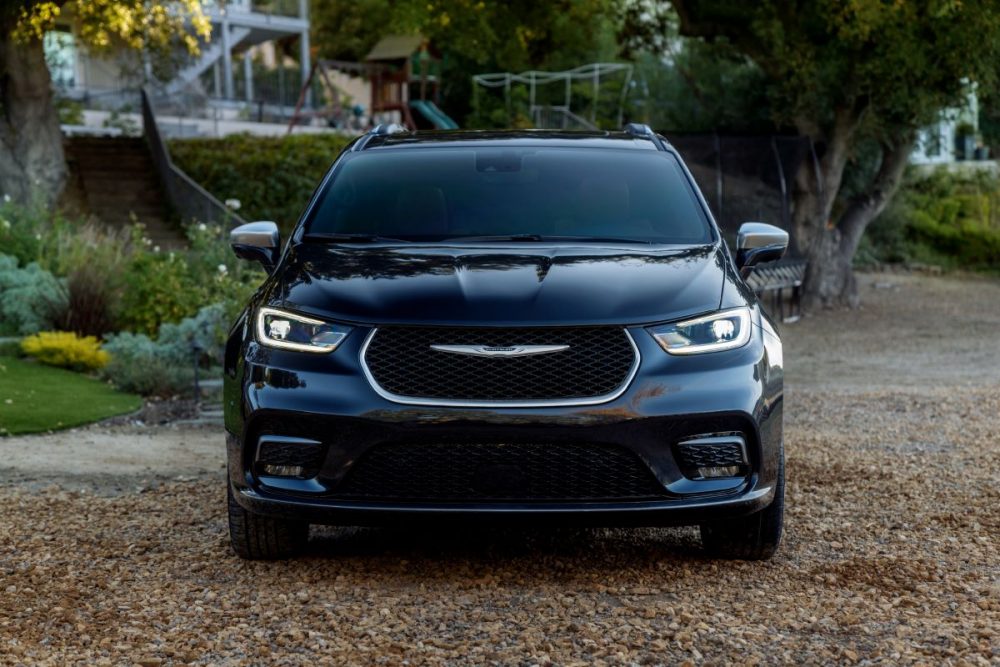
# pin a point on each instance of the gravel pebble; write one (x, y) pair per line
(890, 554)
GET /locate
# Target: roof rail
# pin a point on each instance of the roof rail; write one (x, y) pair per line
(646, 132)
(380, 130)
(383, 129)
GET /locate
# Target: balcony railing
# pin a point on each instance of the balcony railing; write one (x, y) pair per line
(288, 8)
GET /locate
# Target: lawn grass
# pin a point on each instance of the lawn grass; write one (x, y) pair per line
(35, 398)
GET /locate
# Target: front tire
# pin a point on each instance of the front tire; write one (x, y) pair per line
(257, 537)
(752, 537)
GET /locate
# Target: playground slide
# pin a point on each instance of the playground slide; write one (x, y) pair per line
(430, 111)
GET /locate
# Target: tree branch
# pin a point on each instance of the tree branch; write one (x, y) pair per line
(864, 208)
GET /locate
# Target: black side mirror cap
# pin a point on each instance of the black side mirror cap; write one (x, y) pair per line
(257, 242)
(757, 243)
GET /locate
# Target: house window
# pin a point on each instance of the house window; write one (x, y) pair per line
(60, 55)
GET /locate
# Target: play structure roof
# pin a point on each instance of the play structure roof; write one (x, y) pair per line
(395, 47)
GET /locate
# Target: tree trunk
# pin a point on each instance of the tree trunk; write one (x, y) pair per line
(32, 162)
(830, 247)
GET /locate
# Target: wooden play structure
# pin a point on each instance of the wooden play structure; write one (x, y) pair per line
(405, 76)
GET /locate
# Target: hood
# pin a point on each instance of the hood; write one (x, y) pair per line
(499, 284)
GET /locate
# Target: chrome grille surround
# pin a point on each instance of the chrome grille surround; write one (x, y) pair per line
(518, 403)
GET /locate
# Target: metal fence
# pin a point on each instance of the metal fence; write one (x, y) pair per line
(745, 178)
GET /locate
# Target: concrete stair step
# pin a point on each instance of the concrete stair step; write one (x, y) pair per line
(114, 179)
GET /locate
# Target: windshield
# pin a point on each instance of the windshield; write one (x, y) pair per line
(523, 193)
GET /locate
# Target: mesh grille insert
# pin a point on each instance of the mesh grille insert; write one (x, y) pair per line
(294, 452)
(506, 472)
(596, 363)
(693, 456)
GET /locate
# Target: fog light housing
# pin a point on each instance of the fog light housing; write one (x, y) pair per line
(714, 472)
(284, 471)
(712, 456)
(289, 457)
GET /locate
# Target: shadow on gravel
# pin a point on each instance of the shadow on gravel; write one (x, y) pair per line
(636, 546)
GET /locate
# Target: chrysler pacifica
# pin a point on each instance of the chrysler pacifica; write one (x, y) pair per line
(505, 326)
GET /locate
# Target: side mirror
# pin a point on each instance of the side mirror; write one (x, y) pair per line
(757, 243)
(257, 242)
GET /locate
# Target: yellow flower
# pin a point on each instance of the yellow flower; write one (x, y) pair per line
(66, 350)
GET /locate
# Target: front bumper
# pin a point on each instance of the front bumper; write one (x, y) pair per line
(330, 402)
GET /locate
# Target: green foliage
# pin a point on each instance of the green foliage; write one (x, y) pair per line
(899, 62)
(31, 298)
(165, 287)
(474, 37)
(119, 121)
(22, 228)
(271, 177)
(70, 111)
(707, 87)
(66, 350)
(36, 398)
(161, 289)
(164, 366)
(139, 365)
(80, 276)
(952, 220)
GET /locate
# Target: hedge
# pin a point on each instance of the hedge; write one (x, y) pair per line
(272, 177)
(951, 220)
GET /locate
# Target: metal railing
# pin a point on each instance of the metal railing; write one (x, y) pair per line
(190, 200)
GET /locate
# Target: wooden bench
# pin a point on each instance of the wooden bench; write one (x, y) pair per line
(771, 280)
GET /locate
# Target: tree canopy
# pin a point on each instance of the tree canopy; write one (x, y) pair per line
(845, 73)
(32, 163)
(474, 36)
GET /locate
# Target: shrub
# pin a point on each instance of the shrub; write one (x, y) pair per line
(164, 367)
(139, 365)
(93, 258)
(272, 177)
(160, 288)
(31, 298)
(66, 350)
(22, 229)
(940, 218)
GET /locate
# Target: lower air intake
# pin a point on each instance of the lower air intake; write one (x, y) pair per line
(717, 455)
(499, 472)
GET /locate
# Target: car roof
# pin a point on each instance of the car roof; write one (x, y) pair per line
(555, 138)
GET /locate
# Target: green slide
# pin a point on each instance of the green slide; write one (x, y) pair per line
(439, 119)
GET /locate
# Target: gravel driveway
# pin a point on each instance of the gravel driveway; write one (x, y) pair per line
(113, 547)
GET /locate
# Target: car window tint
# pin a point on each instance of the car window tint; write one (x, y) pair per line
(437, 193)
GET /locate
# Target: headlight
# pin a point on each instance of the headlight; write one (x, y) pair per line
(724, 330)
(288, 331)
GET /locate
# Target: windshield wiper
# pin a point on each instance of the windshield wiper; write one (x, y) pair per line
(541, 237)
(600, 239)
(333, 237)
(499, 237)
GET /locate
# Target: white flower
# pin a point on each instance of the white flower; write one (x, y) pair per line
(156, 248)
(223, 268)
(233, 204)
(4, 223)
(202, 227)
(6, 199)
(38, 237)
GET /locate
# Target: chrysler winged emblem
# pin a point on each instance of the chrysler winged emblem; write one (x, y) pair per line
(500, 351)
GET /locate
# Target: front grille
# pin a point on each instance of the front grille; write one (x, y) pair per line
(499, 472)
(597, 363)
